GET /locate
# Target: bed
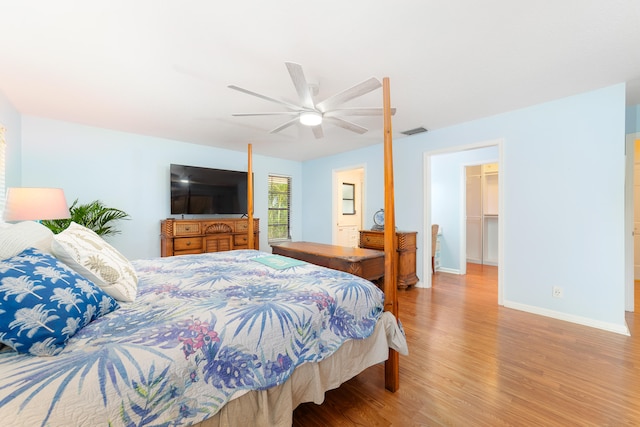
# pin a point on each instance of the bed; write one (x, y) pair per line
(205, 330)
(222, 339)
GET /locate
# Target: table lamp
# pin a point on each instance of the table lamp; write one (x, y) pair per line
(31, 203)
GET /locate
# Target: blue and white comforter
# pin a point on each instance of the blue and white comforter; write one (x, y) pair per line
(203, 330)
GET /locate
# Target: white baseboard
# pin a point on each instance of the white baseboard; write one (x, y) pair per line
(447, 270)
(611, 327)
(421, 284)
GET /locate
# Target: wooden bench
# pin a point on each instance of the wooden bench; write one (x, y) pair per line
(365, 263)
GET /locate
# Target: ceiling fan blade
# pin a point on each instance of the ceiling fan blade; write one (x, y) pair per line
(357, 112)
(285, 125)
(267, 98)
(301, 84)
(317, 131)
(347, 125)
(277, 113)
(349, 94)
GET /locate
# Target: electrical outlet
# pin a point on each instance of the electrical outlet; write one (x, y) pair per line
(557, 292)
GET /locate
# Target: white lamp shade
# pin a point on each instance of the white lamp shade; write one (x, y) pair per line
(30, 203)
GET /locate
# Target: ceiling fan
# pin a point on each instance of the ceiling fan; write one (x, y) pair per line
(313, 114)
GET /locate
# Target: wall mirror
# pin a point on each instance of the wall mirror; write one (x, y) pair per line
(348, 199)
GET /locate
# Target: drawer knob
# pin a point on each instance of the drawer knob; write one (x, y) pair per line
(187, 228)
(189, 243)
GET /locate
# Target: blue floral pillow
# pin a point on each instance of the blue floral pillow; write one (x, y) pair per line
(43, 303)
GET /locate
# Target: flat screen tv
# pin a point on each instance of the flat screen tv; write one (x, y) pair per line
(206, 191)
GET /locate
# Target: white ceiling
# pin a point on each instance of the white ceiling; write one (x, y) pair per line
(161, 68)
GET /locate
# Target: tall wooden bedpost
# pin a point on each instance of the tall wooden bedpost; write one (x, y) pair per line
(250, 240)
(392, 365)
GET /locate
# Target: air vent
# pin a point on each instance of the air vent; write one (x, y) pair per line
(414, 131)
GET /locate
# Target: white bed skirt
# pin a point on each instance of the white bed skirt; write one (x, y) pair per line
(308, 383)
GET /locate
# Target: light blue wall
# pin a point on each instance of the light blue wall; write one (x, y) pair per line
(563, 199)
(633, 119)
(131, 172)
(447, 197)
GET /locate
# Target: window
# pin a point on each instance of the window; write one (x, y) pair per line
(279, 208)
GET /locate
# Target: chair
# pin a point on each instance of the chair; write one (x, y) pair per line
(434, 237)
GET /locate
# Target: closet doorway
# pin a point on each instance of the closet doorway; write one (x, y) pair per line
(482, 213)
(445, 205)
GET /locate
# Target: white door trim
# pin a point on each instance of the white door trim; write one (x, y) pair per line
(629, 292)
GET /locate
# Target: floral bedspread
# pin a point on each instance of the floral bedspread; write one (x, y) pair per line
(203, 330)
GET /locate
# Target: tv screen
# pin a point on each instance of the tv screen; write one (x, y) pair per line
(197, 190)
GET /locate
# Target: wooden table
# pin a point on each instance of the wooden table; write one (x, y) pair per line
(366, 263)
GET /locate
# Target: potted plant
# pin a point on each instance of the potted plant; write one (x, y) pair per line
(94, 215)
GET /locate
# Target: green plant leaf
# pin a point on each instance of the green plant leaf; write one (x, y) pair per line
(94, 215)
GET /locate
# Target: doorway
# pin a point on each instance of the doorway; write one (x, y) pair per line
(445, 204)
(348, 185)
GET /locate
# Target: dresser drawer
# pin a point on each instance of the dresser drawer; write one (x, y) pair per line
(372, 241)
(187, 228)
(242, 226)
(187, 243)
(240, 240)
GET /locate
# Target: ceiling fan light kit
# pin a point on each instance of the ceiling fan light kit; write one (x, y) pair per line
(310, 118)
(311, 113)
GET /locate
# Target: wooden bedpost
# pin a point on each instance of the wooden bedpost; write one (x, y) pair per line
(250, 240)
(392, 365)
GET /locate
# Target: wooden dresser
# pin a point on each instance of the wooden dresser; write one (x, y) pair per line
(196, 236)
(406, 247)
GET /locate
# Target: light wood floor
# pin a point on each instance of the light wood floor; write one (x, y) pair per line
(473, 363)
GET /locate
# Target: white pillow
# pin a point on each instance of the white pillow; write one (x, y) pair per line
(90, 256)
(15, 238)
